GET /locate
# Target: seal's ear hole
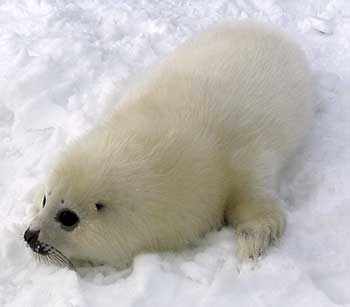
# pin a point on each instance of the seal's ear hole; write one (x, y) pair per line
(44, 201)
(99, 206)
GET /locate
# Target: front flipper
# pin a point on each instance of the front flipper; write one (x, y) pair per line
(257, 225)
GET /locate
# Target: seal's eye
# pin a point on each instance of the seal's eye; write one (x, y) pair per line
(68, 219)
(44, 201)
(99, 206)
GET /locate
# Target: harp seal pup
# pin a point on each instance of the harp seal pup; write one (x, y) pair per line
(200, 141)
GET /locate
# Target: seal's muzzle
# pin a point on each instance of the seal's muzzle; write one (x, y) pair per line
(43, 249)
(31, 237)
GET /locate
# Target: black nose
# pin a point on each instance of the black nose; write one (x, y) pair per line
(31, 236)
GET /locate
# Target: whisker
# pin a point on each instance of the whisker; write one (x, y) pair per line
(55, 259)
(62, 259)
(57, 256)
(45, 253)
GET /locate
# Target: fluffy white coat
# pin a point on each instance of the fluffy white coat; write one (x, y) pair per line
(200, 141)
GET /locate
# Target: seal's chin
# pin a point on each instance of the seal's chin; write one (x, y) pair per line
(44, 252)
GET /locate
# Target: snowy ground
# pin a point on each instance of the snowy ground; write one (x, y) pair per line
(60, 64)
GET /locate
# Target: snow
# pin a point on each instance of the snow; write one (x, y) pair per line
(61, 64)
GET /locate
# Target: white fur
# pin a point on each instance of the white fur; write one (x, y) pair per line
(202, 139)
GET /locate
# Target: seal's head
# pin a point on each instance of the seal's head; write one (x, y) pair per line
(88, 210)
